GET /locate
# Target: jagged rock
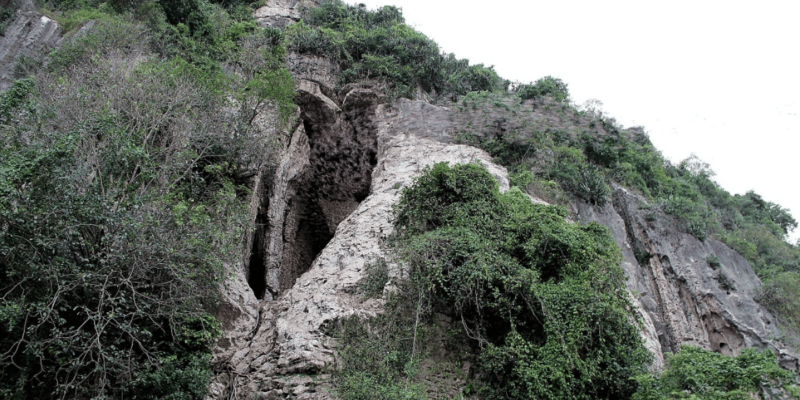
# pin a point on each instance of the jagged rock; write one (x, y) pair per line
(684, 303)
(31, 35)
(281, 13)
(328, 211)
(356, 144)
(290, 338)
(315, 69)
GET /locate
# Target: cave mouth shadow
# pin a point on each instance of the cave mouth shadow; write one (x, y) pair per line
(342, 153)
(256, 267)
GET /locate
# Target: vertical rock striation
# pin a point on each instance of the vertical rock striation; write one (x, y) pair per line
(30, 35)
(680, 294)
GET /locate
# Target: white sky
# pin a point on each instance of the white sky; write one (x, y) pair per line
(717, 79)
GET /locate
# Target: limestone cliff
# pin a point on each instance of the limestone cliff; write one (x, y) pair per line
(324, 212)
(342, 173)
(328, 210)
(680, 294)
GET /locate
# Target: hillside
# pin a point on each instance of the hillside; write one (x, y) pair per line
(301, 199)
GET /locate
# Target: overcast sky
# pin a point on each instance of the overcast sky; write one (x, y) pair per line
(717, 79)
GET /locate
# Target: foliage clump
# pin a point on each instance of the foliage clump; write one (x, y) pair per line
(7, 13)
(541, 299)
(713, 262)
(544, 87)
(378, 45)
(695, 373)
(125, 159)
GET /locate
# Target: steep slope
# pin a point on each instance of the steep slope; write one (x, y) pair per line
(276, 352)
(320, 215)
(330, 211)
(681, 293)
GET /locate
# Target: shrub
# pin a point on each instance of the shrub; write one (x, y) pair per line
(574, 174)
(530, 289)
(377, 359)
(695, 373)
(378, 45)
(713, 262)
(544, 87)
(119, 208)
(376, 277)
(693, 217)
(779, 296)
(725, 283)
(7, 14)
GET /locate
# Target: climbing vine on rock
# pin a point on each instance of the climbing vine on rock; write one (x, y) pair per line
(541, 299)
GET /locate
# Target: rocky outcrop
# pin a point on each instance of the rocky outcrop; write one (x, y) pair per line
(330, 210)
(360, 154)
(281, 13)
(323, 215)
(684, 300)
(30, 36)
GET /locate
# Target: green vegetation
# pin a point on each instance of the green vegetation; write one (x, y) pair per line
(700, 374)
(377, 275)
(545, 87)
(125, 160)
(378, 45)
(380, 358)
(713, 262)
(551, 148)
(542, 301)
(7, 13)
(124, 165)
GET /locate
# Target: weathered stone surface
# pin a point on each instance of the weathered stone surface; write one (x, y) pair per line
(289, 338)
(281, 13)
(31, 34)
(314, 68)
(329, 210)
(679, 292)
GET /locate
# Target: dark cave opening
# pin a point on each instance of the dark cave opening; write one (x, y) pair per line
(341, 150)
(257, 269)
(305, 235)
(343, 153)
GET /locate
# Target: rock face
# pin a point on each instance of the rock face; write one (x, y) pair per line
(31, 35)
(683, 298)
(281, 13)
(323, 215)
(342, 173)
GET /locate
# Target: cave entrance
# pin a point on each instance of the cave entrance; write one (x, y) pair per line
(343, 153)
(256, 267)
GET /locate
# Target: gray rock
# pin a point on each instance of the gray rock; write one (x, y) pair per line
(679, 293)
(31, 35)
(288, 338)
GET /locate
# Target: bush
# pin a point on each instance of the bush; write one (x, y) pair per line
(119, 207)
(378, 359)
(779, 296)
(574, 174)
(378, 45)
(693, 217)
(530, 289)
(7, 14)
(700, 374)
(713, 262)
(544, 87)
(377, 276)
(725, 283)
